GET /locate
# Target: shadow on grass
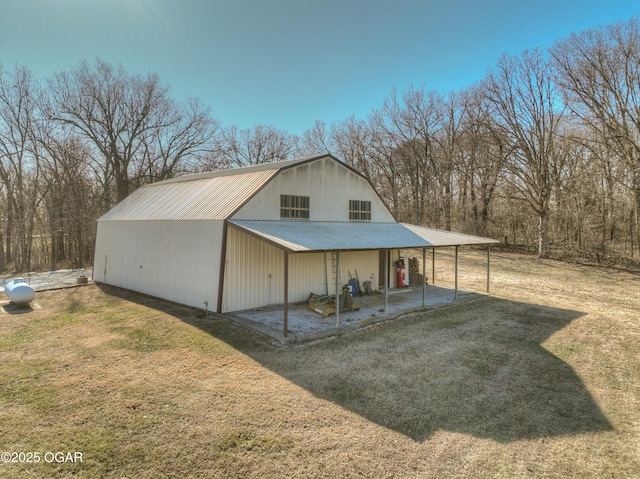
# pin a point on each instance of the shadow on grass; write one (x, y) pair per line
(479, 369)
(13, 308)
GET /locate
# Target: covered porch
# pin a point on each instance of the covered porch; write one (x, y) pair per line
(304, 324)
(340, 238)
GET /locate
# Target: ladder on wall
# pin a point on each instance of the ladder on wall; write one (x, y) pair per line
(334, 279)
(331, 262)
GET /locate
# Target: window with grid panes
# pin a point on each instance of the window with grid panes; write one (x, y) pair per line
(294, 207)
(359, 210)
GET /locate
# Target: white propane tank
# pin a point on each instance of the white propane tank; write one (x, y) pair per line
(19, 291)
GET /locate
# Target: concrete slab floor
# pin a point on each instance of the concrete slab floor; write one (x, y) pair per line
(47, 280)
(307, 325)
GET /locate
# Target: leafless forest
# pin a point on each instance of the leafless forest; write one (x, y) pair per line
(543, 153)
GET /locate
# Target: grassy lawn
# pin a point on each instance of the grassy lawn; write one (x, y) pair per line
(542, 379)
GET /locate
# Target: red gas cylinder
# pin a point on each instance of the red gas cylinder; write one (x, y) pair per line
(401, 275)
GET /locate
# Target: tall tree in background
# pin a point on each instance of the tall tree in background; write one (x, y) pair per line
(355, 144)
(449, 138)
(70, 206)
(410, 124)
(111, 109)
(529, 109)
(252, 146)
(138, 132)
(20, 159)
(316, 140)
(599, 70)
(482, 164)
(178, 144)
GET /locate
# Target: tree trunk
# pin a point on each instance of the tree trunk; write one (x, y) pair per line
(3, 264)
(637, 218)
(543, 235)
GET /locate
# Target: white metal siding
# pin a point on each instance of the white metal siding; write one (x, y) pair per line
(329, 185)
(174, 260)
(254, 273)
(359, 264)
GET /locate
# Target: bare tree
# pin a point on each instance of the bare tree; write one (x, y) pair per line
(138, 132)
(353, 140)
(484, 154)
(527, 104)
(19, 163)
(253, 146)
(178, 143)
(409, 125)
(71, 203)
(449, 138)
(316, 140)
(599, 70)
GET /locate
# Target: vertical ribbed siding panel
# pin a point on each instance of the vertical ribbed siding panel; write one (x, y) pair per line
(365, 262)
(174, 260)
(306, 275)
(253, 273)
(329, 185)
(193, 262)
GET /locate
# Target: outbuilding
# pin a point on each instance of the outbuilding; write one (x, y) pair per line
(237, 239)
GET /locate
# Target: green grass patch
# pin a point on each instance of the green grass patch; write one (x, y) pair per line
(142, 338)
(36, 329)
(22, 385)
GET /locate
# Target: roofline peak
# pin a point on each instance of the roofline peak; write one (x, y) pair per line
(240, 170)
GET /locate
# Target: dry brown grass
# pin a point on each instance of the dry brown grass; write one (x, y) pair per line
(540, 380)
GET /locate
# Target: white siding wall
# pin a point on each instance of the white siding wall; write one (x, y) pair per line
(329, 185)
(174, 260)
(366, 263)
(179, 260)
(250, 261)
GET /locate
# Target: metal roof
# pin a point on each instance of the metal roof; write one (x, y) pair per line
(274, 165)
(200, 198)
(300, 236)
(447, 238)
(211, 195)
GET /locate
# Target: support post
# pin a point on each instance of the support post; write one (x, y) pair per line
(386, 280)
(337, 288)
(456, 275)
(488, 266)
(286, 294)
(223, 265)
(433, 266)
(424, 278)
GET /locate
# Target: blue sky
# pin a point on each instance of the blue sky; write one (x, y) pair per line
(288, 63)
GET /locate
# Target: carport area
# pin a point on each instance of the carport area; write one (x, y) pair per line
(307, 325)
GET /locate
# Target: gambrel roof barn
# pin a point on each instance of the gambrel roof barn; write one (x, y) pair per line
(243, 238)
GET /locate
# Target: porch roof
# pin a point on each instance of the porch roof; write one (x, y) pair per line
(301, 236)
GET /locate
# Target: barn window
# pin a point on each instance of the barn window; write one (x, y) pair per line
(294, 207)
(359, 210)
